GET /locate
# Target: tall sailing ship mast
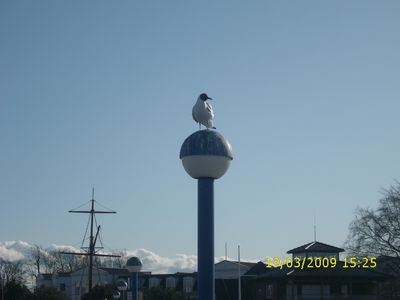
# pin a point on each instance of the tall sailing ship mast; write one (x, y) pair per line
(91, 250)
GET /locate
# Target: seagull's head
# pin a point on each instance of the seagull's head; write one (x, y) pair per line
(204, 97)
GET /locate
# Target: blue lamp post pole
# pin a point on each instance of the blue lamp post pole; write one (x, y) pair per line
(134, 266)
(205, 236)
(134, 285)
(122, 286)
(206, 156)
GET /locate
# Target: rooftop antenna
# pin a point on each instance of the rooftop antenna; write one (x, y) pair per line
(239, 276)
(315, 229)
(91, 251)
(226, 251)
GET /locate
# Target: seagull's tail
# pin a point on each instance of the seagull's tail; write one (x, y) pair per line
(210, 124)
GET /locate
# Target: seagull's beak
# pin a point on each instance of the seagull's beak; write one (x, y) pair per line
(208, 98)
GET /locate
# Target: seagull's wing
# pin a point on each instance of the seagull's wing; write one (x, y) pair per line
(193, 116)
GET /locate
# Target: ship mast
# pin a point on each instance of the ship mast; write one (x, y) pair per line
(91, 250)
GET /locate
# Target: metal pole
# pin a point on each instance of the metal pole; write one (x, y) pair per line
(2, 285)
(205, 236)
(134, 286)
(239, 277)
(91, 247)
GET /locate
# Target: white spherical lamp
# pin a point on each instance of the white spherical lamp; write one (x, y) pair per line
(206, 154)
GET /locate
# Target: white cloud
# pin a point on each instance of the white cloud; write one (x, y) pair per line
(16, 250)
(54, 247)
(10, 254)
(152, 262)
(160, 264)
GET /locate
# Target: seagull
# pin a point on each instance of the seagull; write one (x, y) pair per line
(202, 112)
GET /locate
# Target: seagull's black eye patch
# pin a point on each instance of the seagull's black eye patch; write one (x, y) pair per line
(203, 97)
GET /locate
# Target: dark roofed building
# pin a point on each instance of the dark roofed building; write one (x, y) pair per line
(317, 274)
(316, 249)
(257, 269)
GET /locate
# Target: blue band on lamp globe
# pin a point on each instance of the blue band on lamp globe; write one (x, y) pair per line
(134, 264)
(206, 154)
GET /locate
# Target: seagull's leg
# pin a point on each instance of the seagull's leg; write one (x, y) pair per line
(199, 126)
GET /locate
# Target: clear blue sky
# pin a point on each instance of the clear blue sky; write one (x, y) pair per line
(100, 93)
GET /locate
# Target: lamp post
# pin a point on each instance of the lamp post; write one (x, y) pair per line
(116, 295)
(122, 286)
(206, 156)
(2, 283)
(134, 265)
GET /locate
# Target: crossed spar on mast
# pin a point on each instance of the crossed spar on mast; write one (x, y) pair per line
(91, 250)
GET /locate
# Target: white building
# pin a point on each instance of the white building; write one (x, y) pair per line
(75, 284)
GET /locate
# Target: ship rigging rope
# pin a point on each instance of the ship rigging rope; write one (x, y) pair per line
(81, 205)
(84, 237)
(99, 237)
(105, 207)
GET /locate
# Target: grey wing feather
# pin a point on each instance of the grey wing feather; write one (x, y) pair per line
(194, 118)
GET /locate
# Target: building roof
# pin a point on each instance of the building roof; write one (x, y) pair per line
(258, 268)
(243, 263)
(177, 274)
(114, 271)
(338, 272)
(315, 247)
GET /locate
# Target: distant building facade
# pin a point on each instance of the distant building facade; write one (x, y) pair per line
(258, 281)
(75, 284)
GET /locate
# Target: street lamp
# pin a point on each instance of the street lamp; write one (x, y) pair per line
(206, 156)
(134, 265)
(116, 295)
(2, 283)
(122, 286)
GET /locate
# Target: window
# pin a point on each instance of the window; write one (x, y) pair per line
(326, 290)
(269, 291)
(313, 291)
(291, 291)
(79, 290)
(187, 284)
(170, 283)
(343, 290)
(154, 282)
